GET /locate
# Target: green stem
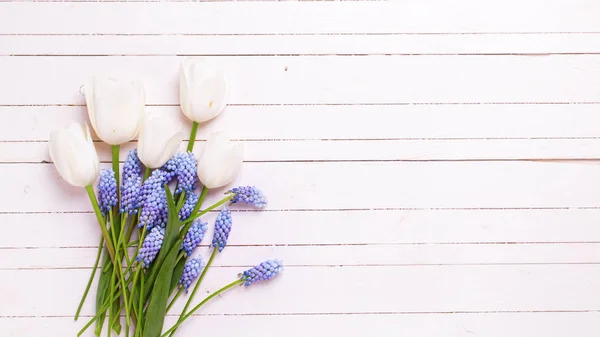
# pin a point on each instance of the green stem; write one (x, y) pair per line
(125, 239)
(140, 242)
(100, 312)
(141, 306)
(192, 136)
(203, 194)
(119, 265)
(135, 278)
(115, 163)
(174, 299)
(132, 226)
(194, 309)
(196, 287)
(109, 245)
(201, 213)
(89, 284)
(110, 304)
(137, 273)
(180, 201)
(181, 256)
(147, 172)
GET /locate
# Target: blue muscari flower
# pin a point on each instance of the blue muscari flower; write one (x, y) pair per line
(262, 272)
(222, 229)
(155, 209)
(131, 184)
(107, 190)
(170, 167)
(194, 236)
(249, 195)
(183, 166)
(188, 206)
(157, 179)
(154, 200)
(151, 246)
(191, 270)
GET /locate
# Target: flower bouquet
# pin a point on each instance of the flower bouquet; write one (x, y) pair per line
(150, 216)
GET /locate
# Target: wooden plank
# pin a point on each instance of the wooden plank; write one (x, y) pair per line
(380, 150)
(343, 185)
(462, 16)
(413, 289)
(324, 122)
(549, 324)
(335, 44)
(335, 255)
(275, 228)
(327, 79)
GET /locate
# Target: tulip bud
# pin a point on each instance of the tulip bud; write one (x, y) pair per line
(203, 89)
(115, 108)
(159, 139)
(220, 161)
(74, 154)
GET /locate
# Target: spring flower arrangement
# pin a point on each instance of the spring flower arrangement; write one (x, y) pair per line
(150, 215)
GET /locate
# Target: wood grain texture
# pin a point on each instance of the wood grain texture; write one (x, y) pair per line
(431, 166)
(321, 79)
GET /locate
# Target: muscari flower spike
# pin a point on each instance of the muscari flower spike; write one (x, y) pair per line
(182, 166)
(249, 195)
(151, 246)
(194, 236)
(131, 184)
(188, 206)
(191, 270)
(157, 179)
(154, 200)
(155, 210)
(222, 229)
(262, 272)
(107, 190)
(185, 170)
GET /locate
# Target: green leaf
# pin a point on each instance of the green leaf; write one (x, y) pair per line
(177, 275)
(102, 292)
(114, 316)
(171, 240)
(157, 307)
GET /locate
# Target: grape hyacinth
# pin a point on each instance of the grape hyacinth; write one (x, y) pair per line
(249, 195)
(131, 184)
(151, 246)
(169, 168)
(194, 236)
(262, 272)
(222, 229)
(184, 164)
(188, 206)
(191, 270)
(154, 200)
(155, 210)
(107, 190)
(156, 180)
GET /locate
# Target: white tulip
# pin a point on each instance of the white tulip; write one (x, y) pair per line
(203, 89)
(74, 154)
(220, 161)
(159, 139)
(116, 108)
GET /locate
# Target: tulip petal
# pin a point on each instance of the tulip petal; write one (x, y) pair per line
(159, 139)
(203, 89)
(74, 155)
(115, 108)
(220, 161)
